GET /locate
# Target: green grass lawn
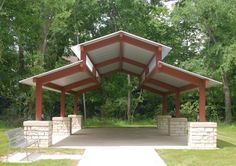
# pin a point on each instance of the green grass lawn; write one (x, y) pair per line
(4, 150)
(224, 156)
(96, 123)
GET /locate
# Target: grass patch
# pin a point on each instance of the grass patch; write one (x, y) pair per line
(226, 155)
(109, 123)
(45, 163)
(4, 150)
(57, 150)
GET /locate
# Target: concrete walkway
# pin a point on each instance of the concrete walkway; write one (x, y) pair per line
(119, 156)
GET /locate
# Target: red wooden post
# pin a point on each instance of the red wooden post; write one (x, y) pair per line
(83, 57)
(177, 105)
(62, 112)
(159, 54)
(164, 105)
(38, 97)
(75, 105)
(202, 102)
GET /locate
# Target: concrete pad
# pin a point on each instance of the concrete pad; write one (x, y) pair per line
(21, 157)
(118, 156)
(113, 137)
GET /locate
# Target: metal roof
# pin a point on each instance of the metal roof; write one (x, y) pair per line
(120, 52)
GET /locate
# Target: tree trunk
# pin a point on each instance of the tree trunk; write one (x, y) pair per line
(2, 3)
(228, 113)
(84, 104)
(44, 38)
(21, 59)
(129, 99)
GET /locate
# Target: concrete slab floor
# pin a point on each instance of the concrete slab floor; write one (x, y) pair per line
(117, 137)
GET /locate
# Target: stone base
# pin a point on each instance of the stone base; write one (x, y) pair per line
(202, 135)
(162, 123)
(76, 123)
(177, 126)
(61, 126)
(39, 130)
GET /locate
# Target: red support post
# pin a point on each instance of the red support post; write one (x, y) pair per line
(158, 55)
(202, 102)
(164, 111)
(83, 57)
(38, 97)
(62, 111)
(75, 105)
(177, 105)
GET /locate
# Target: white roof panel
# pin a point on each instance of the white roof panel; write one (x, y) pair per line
(105, 53)
(71, 78)
(132, 68)
(156, 87)
(169, 79)
(136, 53)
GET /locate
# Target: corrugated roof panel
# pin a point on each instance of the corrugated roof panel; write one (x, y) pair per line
(174, 81)
(132, 68)
(105, 53)
(109, 68)
(156, 87)
(71, 79)
(137, 54)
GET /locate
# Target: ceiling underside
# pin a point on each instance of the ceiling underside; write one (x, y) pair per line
(127, 56)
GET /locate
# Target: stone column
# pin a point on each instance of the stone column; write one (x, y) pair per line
(76, 123)
(202, 135)
(39, 130)
(61, 126)
(177, 126)
(162, 123)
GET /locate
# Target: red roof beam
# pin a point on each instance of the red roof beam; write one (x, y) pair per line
(108, 62)
(59, 74)
(179, 74)
(139, 43)
(132, 62)
(79, 83)
(152, 90)
(162, 84)
(102, 43)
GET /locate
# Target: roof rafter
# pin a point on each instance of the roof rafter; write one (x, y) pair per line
(78, 83)
(58, 74)
(178, 74)
(162, 84)
(152, 90)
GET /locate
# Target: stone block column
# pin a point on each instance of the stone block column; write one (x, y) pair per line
(76, 122)
(177, 126)
(39, 130)
(61, 126)
(202, 135)
(162, 123)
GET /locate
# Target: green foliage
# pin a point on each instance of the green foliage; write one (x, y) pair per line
(114, 122)
(36, 34)
(190, 110)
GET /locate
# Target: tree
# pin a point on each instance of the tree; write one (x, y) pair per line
(213, 24)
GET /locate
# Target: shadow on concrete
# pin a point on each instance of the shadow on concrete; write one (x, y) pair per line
(121, 137)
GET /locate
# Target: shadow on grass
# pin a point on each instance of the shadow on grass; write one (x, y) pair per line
(224, 144)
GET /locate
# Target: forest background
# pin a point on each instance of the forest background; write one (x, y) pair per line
(36, 35)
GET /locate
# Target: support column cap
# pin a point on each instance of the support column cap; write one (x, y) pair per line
(37, 123)
(202, 124)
